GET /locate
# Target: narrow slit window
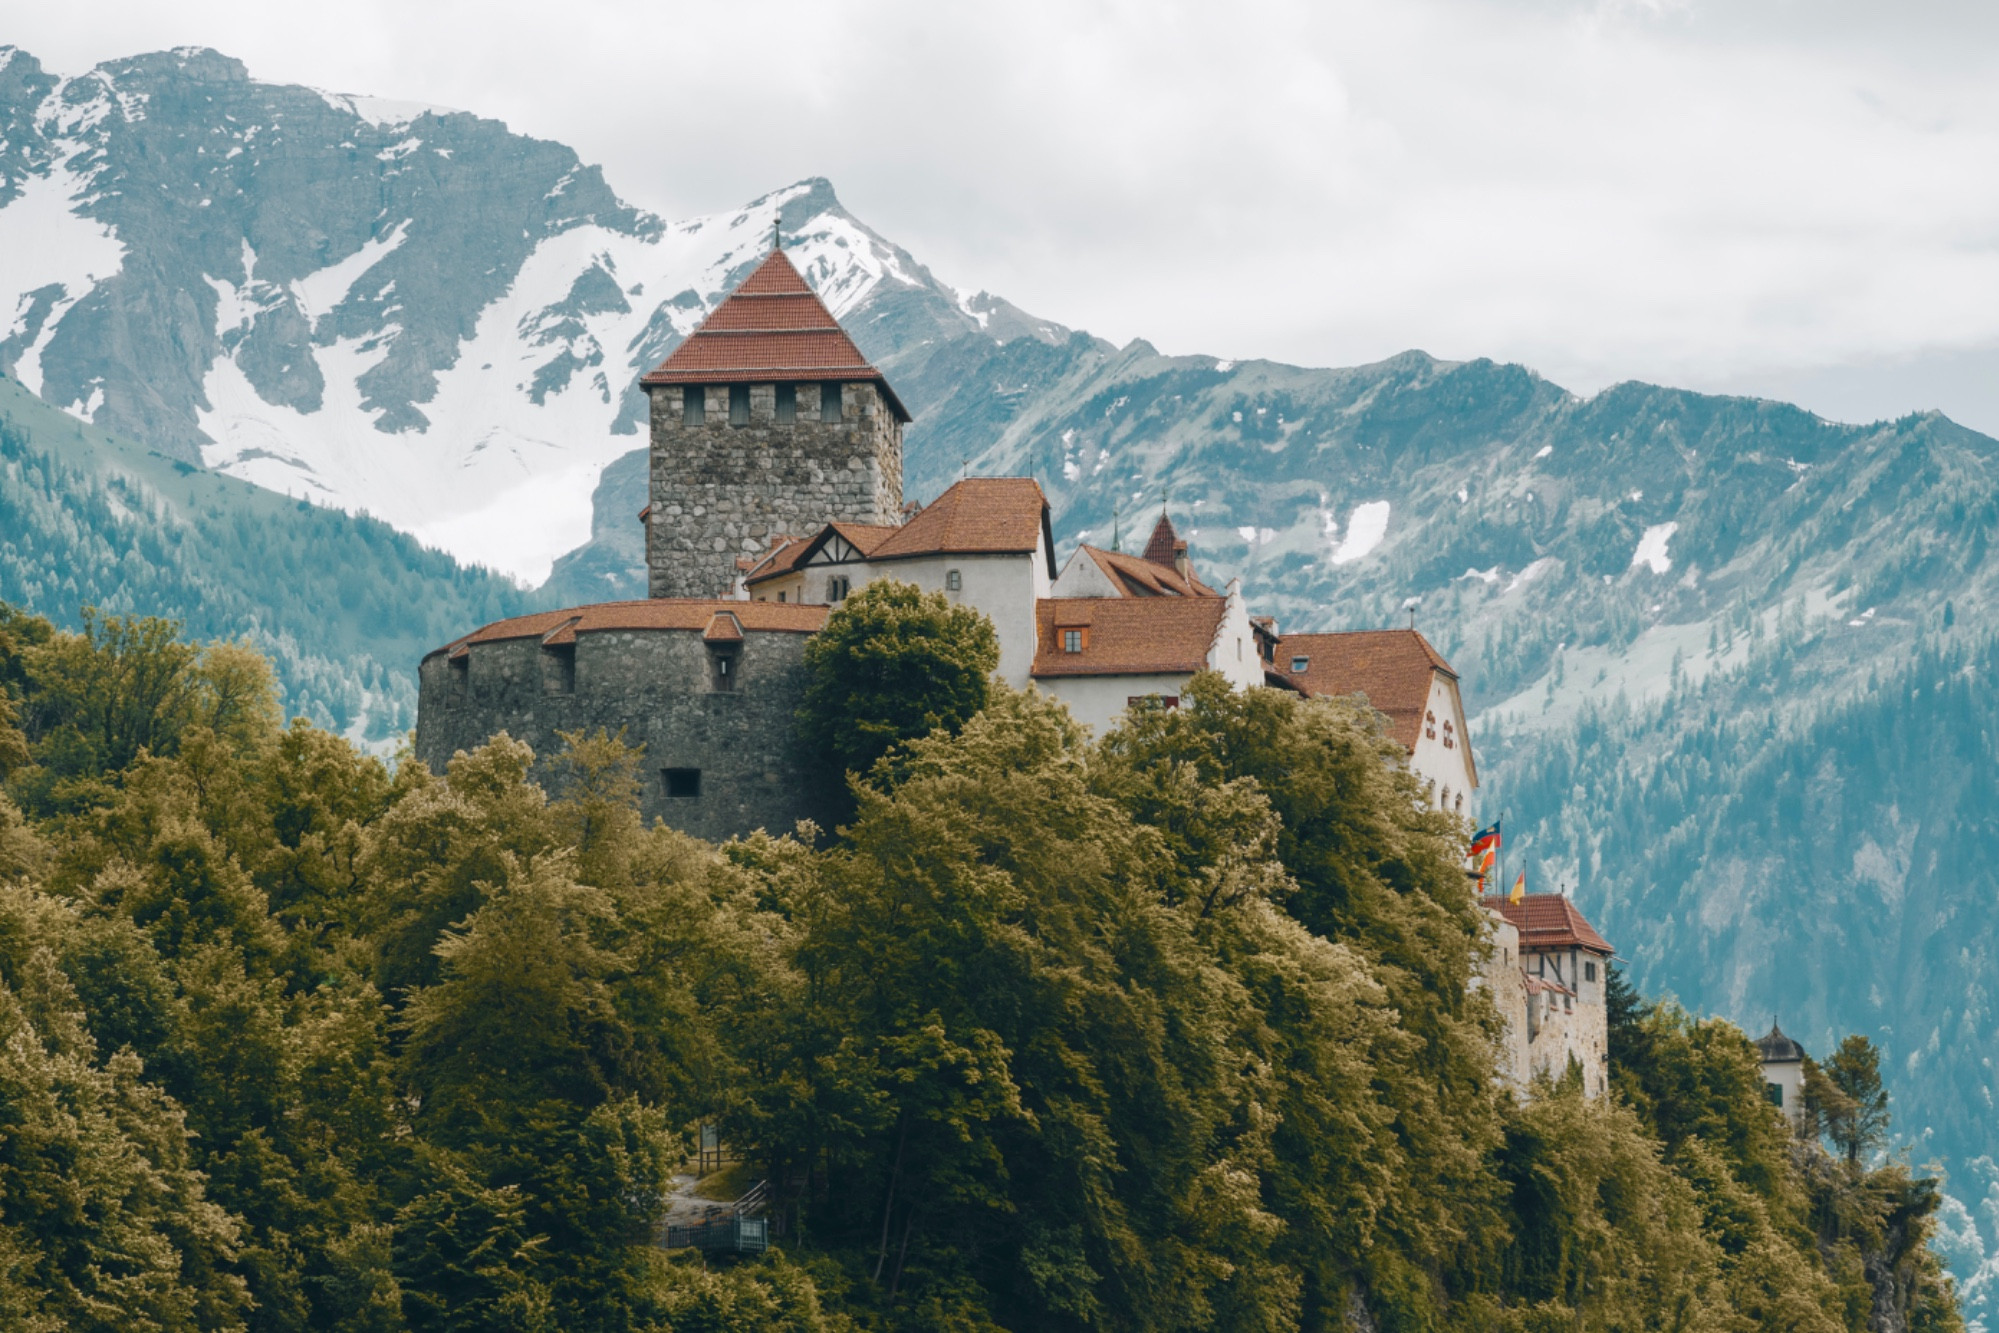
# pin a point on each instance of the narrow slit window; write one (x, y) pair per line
(682, 784)
(693, 405)
(829, 402)
(739, 404)
(787, 403)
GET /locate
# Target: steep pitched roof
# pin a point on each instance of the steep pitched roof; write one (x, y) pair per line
(1549, 921)
(1136, 577)
(977, 516)
(791, 554)
(772, 327)
(1392, 667)
(1164, 543)
(655, 613)
(1126, 636)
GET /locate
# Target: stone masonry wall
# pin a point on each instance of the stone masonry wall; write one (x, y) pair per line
(661, 688)
(720, 491)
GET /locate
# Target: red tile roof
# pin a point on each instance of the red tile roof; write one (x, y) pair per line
(1549, 921)
(723, 627)
(1126, 636)
(1165, 542)
(790, 554)
(656, 613)
(977, 516)
(1136, 577)
(1392, 667)
(772, 327)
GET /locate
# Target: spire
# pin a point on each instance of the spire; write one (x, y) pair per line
(1159, 550)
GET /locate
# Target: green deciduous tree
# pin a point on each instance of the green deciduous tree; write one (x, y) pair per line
(893, 663)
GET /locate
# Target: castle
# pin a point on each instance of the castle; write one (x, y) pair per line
(775, 491)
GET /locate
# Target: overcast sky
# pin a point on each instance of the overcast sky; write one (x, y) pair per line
(1796, 197)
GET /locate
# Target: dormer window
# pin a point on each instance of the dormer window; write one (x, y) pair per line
(1075, 640)
(739, 404)
(1298, 665)
(787, 403)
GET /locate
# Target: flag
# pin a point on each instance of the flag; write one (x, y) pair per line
(1485, 839)
(1482, 859)
(1519, 889)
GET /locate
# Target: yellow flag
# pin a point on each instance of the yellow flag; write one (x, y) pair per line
(1519, 889)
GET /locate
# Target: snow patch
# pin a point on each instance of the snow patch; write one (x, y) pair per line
(1544, 451)
(1651, 550)
(1485, 576)
(387, 112)
(1365, 529)
(1224, 367)
(45, 243)
(320, 292)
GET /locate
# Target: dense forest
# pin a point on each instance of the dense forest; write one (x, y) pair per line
(1175, 1029)
(342, 605)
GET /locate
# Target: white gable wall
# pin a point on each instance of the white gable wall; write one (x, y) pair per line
(1446, 770)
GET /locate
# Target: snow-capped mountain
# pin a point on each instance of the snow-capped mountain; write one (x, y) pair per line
(380, 306)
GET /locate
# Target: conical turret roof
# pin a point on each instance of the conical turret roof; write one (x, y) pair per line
(1779, 1049)
(773, 327)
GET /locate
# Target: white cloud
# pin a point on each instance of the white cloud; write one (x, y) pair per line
(1728, 193)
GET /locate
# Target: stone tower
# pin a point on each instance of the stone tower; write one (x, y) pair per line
(766, 421)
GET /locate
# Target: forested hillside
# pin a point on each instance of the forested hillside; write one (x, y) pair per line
(343, 606)
(1172, 1030)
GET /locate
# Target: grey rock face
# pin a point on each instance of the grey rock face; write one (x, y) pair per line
(658, 688)
(204, 174)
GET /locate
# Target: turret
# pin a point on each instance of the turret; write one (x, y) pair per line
(766, 420)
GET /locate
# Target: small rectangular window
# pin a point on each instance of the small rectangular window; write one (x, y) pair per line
(1298, 664)
(829, 403)
(1774, 1094)
(693, 405)
(461, 674)
(1589, 971)
(722, 677)
(953, 580)
(1072, 641)
(682, 784)
(787, 402)
(780, 597)
(739, 404)
(558, 668)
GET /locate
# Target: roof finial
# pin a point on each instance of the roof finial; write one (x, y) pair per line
(776, 239)
(1114, 530)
